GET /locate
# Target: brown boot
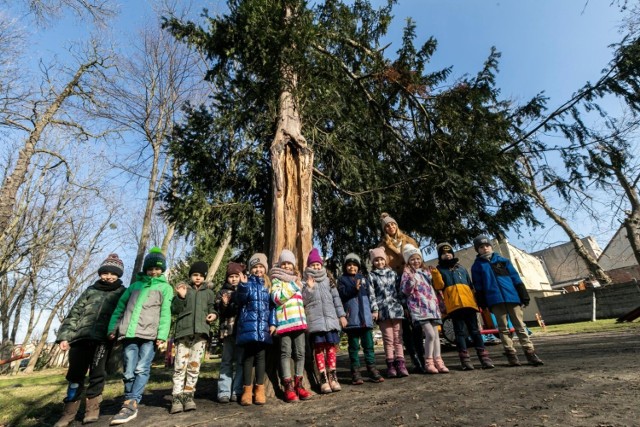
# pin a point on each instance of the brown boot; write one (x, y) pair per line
(68, 414)
(92, 409)
(512, 357)
(333, 381)
(247, 396)
(261, 397)
(533, 358)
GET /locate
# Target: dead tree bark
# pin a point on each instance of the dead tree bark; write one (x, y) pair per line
(632, 219)
(213, 268)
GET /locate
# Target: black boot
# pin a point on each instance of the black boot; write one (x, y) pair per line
(418, 364)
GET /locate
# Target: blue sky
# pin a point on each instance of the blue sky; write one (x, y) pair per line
(546, 45)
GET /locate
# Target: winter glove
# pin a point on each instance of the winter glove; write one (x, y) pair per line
(523, 294)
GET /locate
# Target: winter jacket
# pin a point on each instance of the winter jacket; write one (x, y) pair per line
(256, 313)
(290, 314)
(387, 294)
(358, 304)
(322, 305)
(228, 313)
(497, 282)
(89, 317)
(394, 253)
(421, 298)
(144, 309)
(456, 287)
(192, 310)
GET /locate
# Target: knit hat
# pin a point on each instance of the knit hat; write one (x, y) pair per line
(287, 256)
(444, 247)
(314, 256)
(235, 268)
(258, 258)
(481, 240)
(155, 258)
(352, 258)
(199, 267)
(409, 251)
(377, 253)
(113, 264)
(385, 219)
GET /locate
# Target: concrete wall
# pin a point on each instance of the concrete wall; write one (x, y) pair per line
(611, 302)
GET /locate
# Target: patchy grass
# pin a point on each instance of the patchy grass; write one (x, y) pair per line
(604, 325)
(26, 400)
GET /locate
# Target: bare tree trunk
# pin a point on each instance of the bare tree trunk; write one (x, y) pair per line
(148, 214)
(13, 181)
(632, 221)
(213, 268)
(17, 311)
(590, 261)
(292, 169)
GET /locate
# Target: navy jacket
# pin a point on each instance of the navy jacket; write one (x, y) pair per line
(256, 313)
(357, 304)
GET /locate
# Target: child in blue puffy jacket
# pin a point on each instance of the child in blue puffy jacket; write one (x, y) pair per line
(499, 288)
(256, 324)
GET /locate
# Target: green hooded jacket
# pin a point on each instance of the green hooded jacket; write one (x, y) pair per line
(192, 310)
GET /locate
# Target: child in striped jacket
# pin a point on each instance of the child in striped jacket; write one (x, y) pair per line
(286, 294)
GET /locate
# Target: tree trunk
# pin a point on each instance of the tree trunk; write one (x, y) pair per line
(148, 214)
(16, 178)
(590, 261)
(213, 268)
(632, 221)
(292, 169)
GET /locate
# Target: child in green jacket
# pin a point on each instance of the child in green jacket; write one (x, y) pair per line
(194, 310)
(84, 334)
(142, 320)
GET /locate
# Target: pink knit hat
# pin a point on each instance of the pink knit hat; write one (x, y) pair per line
(377, 253)
(314, 256)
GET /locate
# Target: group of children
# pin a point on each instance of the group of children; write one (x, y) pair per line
(252, 308)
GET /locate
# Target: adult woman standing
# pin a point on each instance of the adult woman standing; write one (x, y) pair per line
(393, 242)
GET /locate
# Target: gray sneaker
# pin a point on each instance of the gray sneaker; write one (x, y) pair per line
(224, 399)
(128, 412)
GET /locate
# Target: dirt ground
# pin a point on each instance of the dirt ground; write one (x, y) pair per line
(587, 380)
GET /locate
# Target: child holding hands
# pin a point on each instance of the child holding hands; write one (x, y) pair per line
(256, 324)
(286, 293)
(194, 309)
(325, 317)
(390, 312)
(359, 302)
(423, 307)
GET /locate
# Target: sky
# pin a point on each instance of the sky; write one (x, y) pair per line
(547, 46)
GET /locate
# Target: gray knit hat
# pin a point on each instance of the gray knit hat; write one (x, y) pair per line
(481, 240)
(287, 256)
(258, 258)
(385, 219)
(352, 258)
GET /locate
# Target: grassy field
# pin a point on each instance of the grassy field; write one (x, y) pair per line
(26, 398)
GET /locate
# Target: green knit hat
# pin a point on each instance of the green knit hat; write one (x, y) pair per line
(155, 258)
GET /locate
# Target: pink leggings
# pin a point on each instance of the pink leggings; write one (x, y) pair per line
(392, 338)
(319, 351)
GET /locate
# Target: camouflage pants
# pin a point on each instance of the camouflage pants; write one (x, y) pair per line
(189, 353)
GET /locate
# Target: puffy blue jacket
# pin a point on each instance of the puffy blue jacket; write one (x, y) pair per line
(496, 281)
(257, 312)
(357, 303)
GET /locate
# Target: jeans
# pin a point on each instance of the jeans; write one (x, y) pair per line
(229, 383)
(466, 317)
(138, 355)
(292, 343)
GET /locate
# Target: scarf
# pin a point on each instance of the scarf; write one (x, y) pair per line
(282, 274)
(448, 263)
(487, 256)
(318, 275)
(104, 286)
